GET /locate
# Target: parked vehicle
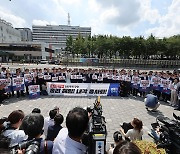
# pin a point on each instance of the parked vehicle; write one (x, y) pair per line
(43, 61)
(56, 62)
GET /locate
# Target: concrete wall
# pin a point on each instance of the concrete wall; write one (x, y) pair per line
(8, 33)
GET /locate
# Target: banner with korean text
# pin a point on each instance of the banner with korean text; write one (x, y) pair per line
(83, 89)
(34, 91)
(6, 84)
(18, 83)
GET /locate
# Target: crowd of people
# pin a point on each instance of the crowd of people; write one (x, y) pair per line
(48, 131)
(165, 85)
(53, 138)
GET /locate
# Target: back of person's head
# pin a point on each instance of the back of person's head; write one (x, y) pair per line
(52, 113)
(36, 110)
(117, 136)
(33, 124)
(56, 108)
(138, 124)
(77, 122)
(15, 116)
(58, 119)
(126, 147)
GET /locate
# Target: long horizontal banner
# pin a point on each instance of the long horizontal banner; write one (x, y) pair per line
(83, 89)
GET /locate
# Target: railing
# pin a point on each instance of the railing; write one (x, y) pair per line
(132, 63)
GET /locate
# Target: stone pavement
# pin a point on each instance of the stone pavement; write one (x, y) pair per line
(115, 109)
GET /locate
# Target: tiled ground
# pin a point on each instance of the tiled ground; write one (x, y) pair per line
(115, 109)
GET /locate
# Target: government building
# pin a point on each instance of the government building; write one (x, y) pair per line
(16, 45)
(56, 35)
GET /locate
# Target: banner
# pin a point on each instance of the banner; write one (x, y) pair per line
(165, 86)
(47, 77)
(7, 84)
(28, 79)
(155, 83)
(127, 78)
(144, 85)
(40, 75)
(34, 91)
(83, 89)
(135, 82)
(18, 83)
(54, 79)
(62, 78)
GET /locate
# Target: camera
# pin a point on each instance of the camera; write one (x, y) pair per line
(3, 119)
(31, 147)
(166, 133)
(95, 135)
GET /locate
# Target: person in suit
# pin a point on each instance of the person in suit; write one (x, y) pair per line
(53, 130)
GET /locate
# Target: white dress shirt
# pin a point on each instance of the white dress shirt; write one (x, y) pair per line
(63, 144)
(47, 122)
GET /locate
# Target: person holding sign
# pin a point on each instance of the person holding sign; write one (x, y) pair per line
(151, 102)
(173, 101)
(54, 75)
(178, 92)
(28, 80)
(18, 83)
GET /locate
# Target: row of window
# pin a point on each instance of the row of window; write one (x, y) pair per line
(37, 30)
(61, 34)
(61, 29)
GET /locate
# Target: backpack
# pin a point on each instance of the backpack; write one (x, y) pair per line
(4, 140)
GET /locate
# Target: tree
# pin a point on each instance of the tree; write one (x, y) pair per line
(69, 45)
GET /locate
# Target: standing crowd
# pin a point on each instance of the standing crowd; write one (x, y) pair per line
(165, 85)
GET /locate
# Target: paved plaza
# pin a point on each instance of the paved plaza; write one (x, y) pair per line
(115, 109)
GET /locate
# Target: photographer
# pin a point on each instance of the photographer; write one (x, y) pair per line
(69, 139)
(135, 133)
(151, 102)
(117, 139)
(12, 129)
(33, 127)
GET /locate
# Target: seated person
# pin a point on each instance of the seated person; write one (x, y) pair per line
(117, 138)
(53, 130)
(33, 127)
(126, 147)
(12, 129)
(135, 133)
(151, 102)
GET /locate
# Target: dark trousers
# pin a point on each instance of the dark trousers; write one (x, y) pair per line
(157, 93)
(2, 95)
